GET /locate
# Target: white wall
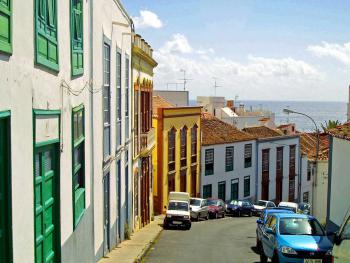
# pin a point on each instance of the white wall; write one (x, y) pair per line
(306, 186)
(273, 144)
(238, 171)
(319, 208)
(176, 97)
(340, 181)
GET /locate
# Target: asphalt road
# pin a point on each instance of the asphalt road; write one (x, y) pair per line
(230, 239)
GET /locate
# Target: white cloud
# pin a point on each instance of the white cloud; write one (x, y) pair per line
(333, 50)
(255, 78)
(178, 44)
(147, 19)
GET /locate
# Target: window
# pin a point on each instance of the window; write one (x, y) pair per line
(46, 43)
(78, 164)
(248, 155)
(207, 191)
(119, 98)
(194, 144)
(171, 149)
(246, 186)
(229, 158)
(127, 79)
(308, 172)
(6, 26)
(306, 197)
(234, 189)
(209, 161)
(183, 139)
(77, 45)
(222, 190)
(279, 160)
(106, 103)
(266, 160)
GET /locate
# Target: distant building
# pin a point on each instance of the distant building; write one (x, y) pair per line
(338, 179)
(176, 157)
(228, 163)
(313, 187)
(211, 104)
(144, 139)
(178, 98)
(277, 164)
(287, 129)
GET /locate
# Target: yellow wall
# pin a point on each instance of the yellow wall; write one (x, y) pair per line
(178, 122)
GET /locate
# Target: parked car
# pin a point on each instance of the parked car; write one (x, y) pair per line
(294, 238)
(262, 220)
(290, 205)
(216, 208)
(199, 208)
(304, 208)
(178, 211)
(341, 249)
(261, 205)
(239, 207)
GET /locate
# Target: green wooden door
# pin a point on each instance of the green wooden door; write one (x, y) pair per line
(5, 210)
(46, 204)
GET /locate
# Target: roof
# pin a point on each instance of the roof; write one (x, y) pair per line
(263, 132)
(215, 131)
(159, 102)
(341, 131)
(293, 215)
(308, 145)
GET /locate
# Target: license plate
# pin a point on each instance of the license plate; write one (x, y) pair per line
(312, 260)
(177, 222)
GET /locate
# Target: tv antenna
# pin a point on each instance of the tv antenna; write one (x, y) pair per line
(184, 79)
(215, 85)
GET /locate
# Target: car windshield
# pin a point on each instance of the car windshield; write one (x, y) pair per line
(212, 202)
(288, 208)
(195, 202)
(181, 206)
(235, 202)
(261, 203)
(300, 226)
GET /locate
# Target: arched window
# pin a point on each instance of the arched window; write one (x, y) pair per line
(194, 143)
(171, 149)
(183, 139)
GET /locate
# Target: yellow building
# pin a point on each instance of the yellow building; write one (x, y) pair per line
(176, 157)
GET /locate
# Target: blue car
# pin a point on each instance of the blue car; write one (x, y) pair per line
(239, 208)
(294, 238)
(262, 220)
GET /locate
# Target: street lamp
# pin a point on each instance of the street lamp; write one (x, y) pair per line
(288, 111)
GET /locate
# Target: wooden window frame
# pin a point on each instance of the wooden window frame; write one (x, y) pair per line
(106, 92)
(171, 149)
(77, 44)
(6, 12)
(233, 182)
(220, 184)
(205, 188)
(246, 191)
(183, 146)
(229, 167)
(207, 163)
(119, 96)
(248, 155)
(194, 137)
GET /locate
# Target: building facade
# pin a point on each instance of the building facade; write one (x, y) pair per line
(45, 135)
(227, 161)
(143, 132)
(277, 165)
(176, 157)
(112, 31)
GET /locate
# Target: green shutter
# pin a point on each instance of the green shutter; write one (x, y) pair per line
(46, 33)
(5, 26)
(77, 47)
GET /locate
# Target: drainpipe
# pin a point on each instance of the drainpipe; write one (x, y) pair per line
(256, 170)
(91, 95)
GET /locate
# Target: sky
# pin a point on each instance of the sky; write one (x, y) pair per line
(256, 50)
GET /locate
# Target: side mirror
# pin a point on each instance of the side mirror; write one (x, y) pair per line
(337, 239)
(270, 231)
(260, 222)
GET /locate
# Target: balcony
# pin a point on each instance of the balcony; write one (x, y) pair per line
(148, 141)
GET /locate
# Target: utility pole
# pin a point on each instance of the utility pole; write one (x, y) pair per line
(184, 79)
(215, 85)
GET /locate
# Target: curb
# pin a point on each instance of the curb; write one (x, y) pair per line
(147, 248)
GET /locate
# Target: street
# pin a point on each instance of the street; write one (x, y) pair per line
(230, 239)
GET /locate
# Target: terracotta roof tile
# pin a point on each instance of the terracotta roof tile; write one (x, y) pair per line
(308, 145)
(215, 131)
(263, 132)
(341, 131)
(159, 102)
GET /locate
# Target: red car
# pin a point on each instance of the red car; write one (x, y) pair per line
(216, 208)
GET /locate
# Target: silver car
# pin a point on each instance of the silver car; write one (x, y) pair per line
(199, 208)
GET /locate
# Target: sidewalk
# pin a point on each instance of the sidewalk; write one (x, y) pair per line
(133, 250)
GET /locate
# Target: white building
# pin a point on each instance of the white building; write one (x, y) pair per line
(65, 153)
(211, 104)
(277, 164)
(227, 161)
(112, 31)
(338, 180)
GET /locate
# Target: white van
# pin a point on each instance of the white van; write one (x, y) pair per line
(178, 211)
(341, 249)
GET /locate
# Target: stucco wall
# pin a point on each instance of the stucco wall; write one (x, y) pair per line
(320, 191)
(239, 172)
(340, 181)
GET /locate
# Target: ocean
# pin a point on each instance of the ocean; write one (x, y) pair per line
(319, 111)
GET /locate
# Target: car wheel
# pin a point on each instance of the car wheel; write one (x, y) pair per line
(258, 244)
(239, 213)
(165, 226)
(207, 217)
(223, 214)
(197, 219)
(275, 258)
(250, 214)
(216, 215)
(263, 257)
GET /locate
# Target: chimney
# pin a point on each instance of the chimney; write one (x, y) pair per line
(229, 104)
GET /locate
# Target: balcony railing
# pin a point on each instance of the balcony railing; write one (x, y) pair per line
(147, 141)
